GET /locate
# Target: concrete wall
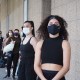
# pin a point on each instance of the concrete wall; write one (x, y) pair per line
(46, 8)
(38, 10)
(11, 17)
(3, 15)
(15, 9)
(70, 11)
(11, 14)
(35, 11)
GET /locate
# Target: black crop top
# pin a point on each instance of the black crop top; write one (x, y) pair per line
(27, 50)
(51, 51)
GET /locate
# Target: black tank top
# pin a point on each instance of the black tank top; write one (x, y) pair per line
(51, 51)
(27, 50)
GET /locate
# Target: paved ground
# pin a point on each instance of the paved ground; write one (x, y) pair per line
(3, 73)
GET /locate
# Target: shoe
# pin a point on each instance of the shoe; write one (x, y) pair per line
(13, 77)
(6, 76)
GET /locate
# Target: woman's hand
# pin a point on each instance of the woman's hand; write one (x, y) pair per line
(54, 79)
(12, 42)
(44, 79)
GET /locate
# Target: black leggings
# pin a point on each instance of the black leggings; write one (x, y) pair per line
(13, 58)
(50, 74)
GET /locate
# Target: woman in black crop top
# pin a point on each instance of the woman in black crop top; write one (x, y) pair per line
(27, 48)
(52, 57)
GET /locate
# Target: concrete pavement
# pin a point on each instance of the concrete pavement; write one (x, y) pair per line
(3, 73)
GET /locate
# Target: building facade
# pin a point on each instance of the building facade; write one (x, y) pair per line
(14, 12)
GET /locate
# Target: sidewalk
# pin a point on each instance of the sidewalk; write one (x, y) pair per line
(3, 73)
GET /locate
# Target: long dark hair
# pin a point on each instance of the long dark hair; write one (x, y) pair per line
(43, 32)
(9, 38)
(7, 35)
(32, 25)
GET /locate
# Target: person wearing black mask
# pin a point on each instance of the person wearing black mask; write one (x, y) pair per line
(52, 55)
(15, 36)
(17, 40)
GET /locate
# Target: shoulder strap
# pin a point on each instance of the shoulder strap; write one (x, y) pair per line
(23, 39)
(30, 39)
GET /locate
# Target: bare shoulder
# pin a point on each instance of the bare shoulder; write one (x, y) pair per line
(39, 44)
(6, 39)
(65, 44)
(33, 39)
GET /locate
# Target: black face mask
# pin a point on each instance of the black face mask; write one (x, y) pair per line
(53, 29)
(16, 34)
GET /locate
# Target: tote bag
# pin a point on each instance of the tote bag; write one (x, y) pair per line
(8, 47)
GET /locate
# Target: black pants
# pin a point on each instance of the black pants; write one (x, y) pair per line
(13, 58)
(49, 75)
(26, 69)
(1, 53)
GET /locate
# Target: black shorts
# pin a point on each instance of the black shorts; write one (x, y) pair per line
(50, 74)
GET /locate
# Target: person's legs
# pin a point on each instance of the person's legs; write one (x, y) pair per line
(9, 62)
(21, 71)
(1, 53)
(15, 61)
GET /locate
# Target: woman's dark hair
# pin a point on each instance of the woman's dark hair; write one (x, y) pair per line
(16, 30)
(9, 38)
(43, 32)
(7, 35)
(32, 25)
(22, 27)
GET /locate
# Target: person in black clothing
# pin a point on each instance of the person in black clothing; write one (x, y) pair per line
(27, 48)
(17, 40)
(52, 57)
(1, 44)
(15, 36)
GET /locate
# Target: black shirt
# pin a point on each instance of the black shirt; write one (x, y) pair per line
(52, 51)
(27, 50)
(17, 45)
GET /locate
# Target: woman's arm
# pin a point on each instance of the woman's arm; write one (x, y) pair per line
(66, 60)
(5, 41)
(37, 62)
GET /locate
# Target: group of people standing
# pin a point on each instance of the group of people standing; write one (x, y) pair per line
(12, 56)
(47, 58)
